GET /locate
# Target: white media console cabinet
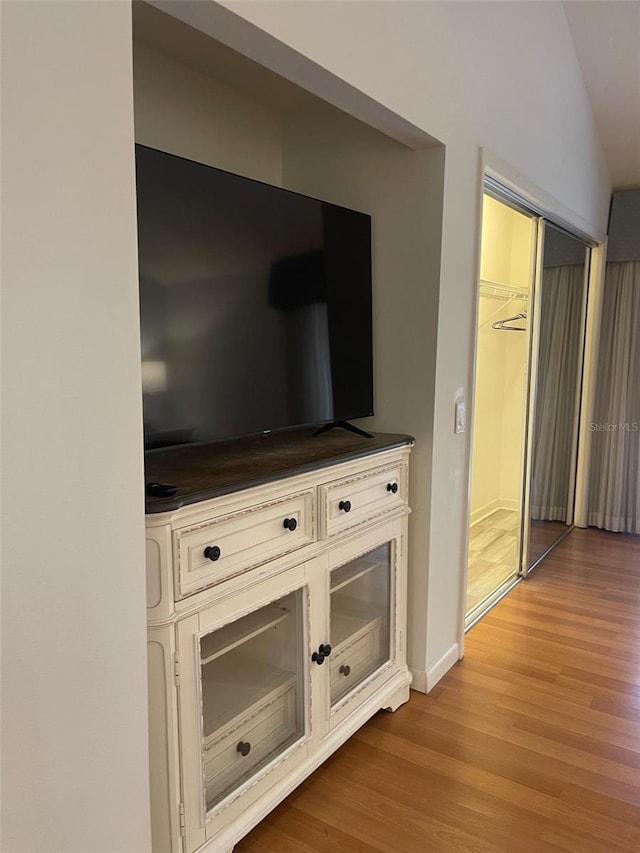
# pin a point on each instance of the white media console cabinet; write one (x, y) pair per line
(276, 594)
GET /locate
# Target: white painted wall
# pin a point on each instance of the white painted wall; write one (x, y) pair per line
(522, 250)
(186, 112)
(506, 245)
(497, 466)
(502, 76)
(493, 484)
(499, 412)
(331, 155)
(487, 413)
(74, 720)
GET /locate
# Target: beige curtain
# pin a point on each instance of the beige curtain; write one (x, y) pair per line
(614, 489)
(559, 356)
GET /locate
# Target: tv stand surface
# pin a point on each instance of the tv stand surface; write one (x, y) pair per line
(343, 425)
(207, 471)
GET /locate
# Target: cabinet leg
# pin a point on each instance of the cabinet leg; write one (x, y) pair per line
(396, 699)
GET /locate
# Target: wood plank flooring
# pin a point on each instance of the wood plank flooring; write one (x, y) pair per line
(493, 555)
(530, 744)
(542, 535)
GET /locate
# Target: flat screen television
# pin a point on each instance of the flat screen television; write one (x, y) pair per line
(255, 305)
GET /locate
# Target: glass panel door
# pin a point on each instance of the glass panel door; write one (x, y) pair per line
(360, 625)
(252, 694)
(561, 305)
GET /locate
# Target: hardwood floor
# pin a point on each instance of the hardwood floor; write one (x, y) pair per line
(542, 535)
(530, 744)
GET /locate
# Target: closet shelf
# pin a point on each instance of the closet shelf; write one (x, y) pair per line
(502, 291)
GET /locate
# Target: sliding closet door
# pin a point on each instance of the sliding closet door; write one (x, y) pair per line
(556, 381)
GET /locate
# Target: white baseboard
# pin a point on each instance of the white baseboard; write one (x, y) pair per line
(493, 506)
(510, 503)
(442, 666)
(419, 682)
(478, 514)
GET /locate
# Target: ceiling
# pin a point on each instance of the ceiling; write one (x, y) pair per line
(606, 34)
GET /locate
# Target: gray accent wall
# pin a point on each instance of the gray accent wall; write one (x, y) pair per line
(624, 227)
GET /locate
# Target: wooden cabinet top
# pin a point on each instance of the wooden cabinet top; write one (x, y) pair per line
(205, 471)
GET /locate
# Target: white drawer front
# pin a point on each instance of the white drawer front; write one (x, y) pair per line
(352, 501)
(354, 660)
(266, 730)
(210, 553)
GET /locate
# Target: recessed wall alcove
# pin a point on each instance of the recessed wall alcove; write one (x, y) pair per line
(202, 99)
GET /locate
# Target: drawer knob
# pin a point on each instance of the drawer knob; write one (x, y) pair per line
(324, 650)
(345, 506)
(212, 552)
(392, 487)
(345, 669)
(244, 747)
(290, 524)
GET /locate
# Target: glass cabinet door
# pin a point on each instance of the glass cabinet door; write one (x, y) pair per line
(252, 694)
(360, 619)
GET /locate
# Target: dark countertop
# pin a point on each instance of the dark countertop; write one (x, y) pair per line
(209, 470)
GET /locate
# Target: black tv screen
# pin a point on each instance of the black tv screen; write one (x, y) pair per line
(255, 305)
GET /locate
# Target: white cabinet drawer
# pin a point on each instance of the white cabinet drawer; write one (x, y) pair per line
(211, 552)
(354, 659)
(233, 754)
(354, 500)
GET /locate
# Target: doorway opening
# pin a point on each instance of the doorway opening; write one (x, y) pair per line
(532, 298)
(502, 358)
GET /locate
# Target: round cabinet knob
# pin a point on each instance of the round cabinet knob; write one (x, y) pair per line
(290, 524)
(212, 552)
(392, 487)
(345, 506)
(324, 649)
(345, 669)
(317, 657)
(244, 747)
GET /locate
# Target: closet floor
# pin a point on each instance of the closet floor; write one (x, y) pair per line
(493, 554)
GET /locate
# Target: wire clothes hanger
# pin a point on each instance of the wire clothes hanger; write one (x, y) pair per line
(501, 324)
(498, 310)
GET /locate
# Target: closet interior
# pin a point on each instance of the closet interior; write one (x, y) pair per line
(527, 392)
(502, 356)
